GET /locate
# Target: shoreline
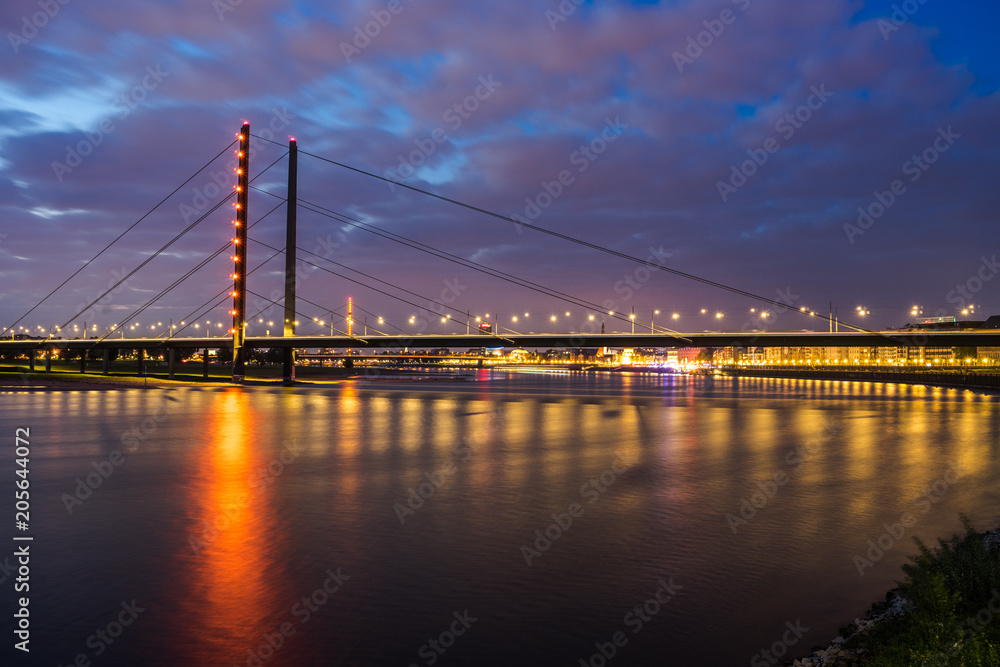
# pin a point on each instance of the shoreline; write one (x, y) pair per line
(968, 380)
(840, 651)
(19, 379)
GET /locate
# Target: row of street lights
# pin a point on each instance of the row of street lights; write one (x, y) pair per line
(136, 329)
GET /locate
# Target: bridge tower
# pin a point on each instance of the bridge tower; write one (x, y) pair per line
(288, 370)
(240, 256)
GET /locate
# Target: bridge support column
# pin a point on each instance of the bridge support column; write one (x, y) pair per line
(240, 267)
(106, 362)
(204, 364)
(171, 361)
(141, 356)
(48, 361)
(83, 361)
(31, 361)
(288, 354)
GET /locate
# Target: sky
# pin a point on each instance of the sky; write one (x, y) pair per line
(829, 154)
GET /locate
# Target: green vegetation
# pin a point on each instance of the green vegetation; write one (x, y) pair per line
(952, 595)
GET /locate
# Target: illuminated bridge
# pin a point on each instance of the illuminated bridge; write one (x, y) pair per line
(169, 341)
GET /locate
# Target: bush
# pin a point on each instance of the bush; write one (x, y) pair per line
(953, 601)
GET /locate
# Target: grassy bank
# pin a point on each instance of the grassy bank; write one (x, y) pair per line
(946, 611)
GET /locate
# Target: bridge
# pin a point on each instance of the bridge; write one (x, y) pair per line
(169, 342)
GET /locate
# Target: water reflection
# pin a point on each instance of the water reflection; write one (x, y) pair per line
(521, 449)
(231, 562)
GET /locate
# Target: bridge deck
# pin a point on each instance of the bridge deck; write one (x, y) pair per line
(547, 340)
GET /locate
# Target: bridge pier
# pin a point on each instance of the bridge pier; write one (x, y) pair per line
(288, 365)
(171, 361)
(141, 356)
(83, 361)
(106, 362)
(48, 361)
(31, 361)
(204, 364)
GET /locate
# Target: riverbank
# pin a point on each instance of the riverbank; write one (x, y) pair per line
(20, 379)
(969, 380)
(945, 612)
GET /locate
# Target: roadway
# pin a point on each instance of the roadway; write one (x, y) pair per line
(371, 344)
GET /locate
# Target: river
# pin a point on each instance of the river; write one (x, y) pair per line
(497, 518)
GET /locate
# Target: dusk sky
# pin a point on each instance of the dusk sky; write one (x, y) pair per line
(734, 140)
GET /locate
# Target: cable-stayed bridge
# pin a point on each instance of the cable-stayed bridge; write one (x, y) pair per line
(495, 336)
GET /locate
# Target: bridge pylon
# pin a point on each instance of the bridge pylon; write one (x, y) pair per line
(240, 254)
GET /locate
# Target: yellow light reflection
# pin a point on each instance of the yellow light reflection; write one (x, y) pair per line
(231, 570)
